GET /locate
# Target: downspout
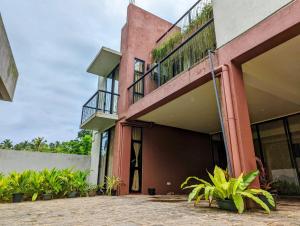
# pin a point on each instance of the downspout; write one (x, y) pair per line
(220, 112)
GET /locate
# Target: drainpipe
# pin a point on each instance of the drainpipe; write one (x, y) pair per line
(220, 112)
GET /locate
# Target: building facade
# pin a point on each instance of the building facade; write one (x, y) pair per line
(155, 115)
(8, 70)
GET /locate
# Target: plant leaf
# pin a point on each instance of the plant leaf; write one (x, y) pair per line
(248, 178)
(239, 202)
(34, 197)
(257, 200)
(195, 192)
(264, 193)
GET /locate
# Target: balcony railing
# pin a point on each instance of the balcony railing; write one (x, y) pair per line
(178, 49)
(102, 101)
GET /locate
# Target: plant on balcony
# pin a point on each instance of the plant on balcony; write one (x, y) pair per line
(228, 192)
(206, 37)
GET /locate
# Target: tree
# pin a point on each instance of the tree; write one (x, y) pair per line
(39, 143)
(83, 132)
(6, 144)
(25, 145)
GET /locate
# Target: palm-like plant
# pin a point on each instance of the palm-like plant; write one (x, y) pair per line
(6, 144)
(222, 188)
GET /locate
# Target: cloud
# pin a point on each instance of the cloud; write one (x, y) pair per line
(53, 43)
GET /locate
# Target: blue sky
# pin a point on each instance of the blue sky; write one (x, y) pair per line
(53, 42)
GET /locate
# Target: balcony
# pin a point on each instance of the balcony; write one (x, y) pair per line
(100, 111)
(181, 47)
(8, 69)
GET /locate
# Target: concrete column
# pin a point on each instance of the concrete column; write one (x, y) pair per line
(95, 153)
(121, 157)
(236, 120)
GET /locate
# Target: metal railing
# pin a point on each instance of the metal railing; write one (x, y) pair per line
(186, 19)
(193, 48)
(101, 101)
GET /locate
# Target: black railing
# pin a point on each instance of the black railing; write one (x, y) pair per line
(186, 19)
(196, 40)
(101, 101)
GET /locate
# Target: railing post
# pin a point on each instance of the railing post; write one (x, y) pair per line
(111, 103)
(158, 74)
(97, 101)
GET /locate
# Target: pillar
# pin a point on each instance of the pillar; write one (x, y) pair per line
(237, 121)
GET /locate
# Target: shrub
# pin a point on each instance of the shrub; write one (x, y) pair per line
(33, 184)
(222, 188)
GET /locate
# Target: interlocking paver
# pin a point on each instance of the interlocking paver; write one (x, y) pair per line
(138, 210)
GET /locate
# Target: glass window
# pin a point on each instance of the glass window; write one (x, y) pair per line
(294, 125)
(138, 89)
(276, 152)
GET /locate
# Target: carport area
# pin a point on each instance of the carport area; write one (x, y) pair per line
(181, 142)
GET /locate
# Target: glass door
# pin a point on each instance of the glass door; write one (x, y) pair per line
(294, 129)
(277, 154)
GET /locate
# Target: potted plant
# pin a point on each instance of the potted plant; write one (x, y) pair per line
(151, 191)
(101, 190)
(266, 184)
(17, 183)
(228, 192)
(112, 184)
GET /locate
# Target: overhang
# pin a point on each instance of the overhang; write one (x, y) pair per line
(105, 61)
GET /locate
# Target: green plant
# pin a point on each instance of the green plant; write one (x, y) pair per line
(80, 182)
(112, 183)
(222, 188)
(18, 182)
(5, 194)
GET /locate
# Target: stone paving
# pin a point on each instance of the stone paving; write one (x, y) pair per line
(138, 210)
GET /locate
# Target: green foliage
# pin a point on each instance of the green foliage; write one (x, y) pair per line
(6, 144)
(81, 145)
(112, 183)
(178, 36)
(33, 184)
(226, 188)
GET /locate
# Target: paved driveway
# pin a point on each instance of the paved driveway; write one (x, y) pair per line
(138, 210)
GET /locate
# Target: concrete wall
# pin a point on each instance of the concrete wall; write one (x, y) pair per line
(23, 160)
(8, 70)
(233, 17)
(171, 155)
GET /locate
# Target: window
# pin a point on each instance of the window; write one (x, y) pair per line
(138, 89)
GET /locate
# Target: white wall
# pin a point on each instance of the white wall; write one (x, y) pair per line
(22, 160)
(233, 17)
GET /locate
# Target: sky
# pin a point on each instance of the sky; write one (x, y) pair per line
(53, 42)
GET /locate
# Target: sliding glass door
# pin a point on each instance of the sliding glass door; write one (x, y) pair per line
(277, 153)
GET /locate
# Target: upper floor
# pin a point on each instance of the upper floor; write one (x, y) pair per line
(154, 51)
(8, 70)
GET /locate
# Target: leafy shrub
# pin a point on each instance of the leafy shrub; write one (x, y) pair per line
(223, 188)
(33, 184)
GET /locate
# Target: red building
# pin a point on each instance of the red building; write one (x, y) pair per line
(155, 115)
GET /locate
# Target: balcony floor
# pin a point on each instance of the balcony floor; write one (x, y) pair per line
(100, 121)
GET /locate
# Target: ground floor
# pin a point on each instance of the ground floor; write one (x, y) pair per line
(138, 210)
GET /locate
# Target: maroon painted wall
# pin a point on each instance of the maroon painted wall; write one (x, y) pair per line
(171, 155)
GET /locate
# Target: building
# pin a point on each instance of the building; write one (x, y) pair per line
(8, 70)
(155, 116)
